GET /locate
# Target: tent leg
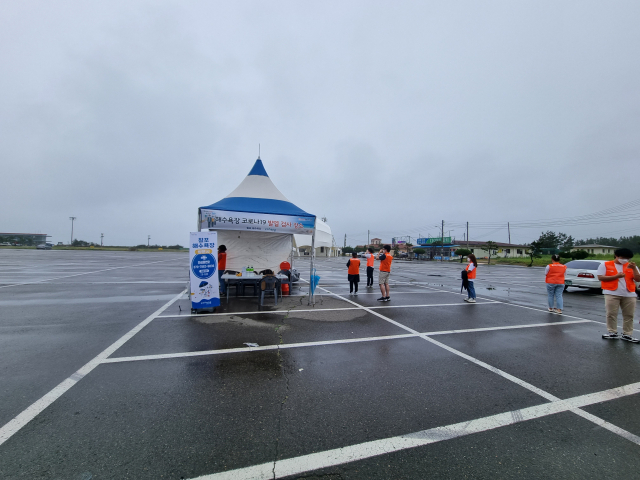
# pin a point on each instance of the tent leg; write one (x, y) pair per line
(312, 297)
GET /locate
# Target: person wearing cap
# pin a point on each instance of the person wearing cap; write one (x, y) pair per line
(385, 258)
(617, 278)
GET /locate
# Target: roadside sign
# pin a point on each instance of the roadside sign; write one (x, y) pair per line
(434, 241)
(203, 270)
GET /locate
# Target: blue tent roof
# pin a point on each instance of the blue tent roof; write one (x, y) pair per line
(258, 194)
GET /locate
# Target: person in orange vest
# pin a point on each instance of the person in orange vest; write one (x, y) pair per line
(471, 268)
(222, 266)
(618, 278)
(370, 259)
(385, 258)
(353, 273)
(555, 283)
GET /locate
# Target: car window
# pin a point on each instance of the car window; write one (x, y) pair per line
(583, 264)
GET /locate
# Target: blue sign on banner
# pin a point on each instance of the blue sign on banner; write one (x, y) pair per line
(203, 266)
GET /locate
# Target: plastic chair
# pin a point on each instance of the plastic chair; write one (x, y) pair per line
(269, 284)
(285, 281)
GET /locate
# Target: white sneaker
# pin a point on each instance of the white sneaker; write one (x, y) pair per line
(466, 299)
(472, 300)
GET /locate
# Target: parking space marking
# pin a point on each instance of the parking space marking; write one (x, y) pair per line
(14, 425)
(564, 314)
(285, 312)
(617, 430)
(88, 273)
(374, 448)
(328, 342)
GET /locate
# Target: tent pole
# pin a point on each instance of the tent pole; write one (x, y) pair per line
(198, 219)
(292, 240)
(312, 299)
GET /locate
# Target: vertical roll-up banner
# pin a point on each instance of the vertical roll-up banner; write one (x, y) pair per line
(203, 270)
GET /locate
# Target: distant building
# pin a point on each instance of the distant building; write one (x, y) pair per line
(505, 250)
(595, 249)
(436, 248)
(376, 242)
(29, 239)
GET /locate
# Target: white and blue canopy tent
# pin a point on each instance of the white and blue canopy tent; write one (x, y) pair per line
(256, 223)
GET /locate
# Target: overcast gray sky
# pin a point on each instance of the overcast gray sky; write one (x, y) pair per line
(388, 116)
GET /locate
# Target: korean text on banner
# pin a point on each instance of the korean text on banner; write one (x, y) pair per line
(203, 270)
(260, 222)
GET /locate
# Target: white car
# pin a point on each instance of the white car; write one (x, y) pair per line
(582, 273)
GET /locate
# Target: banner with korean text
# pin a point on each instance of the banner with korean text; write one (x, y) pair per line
(259, 222)
(203, 270)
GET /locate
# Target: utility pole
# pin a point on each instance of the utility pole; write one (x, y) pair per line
(368, 235)
(101, 238)
(72, 219)
(442, 237)
(345, 240)
(148, 240)
(467, 235)
(509, 230)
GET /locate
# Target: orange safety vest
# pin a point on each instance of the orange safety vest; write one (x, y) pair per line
(556, 273)
(612, 270)
(370, 260)
(471, 275)
(222, 261)
(385, 265)
(354, 266)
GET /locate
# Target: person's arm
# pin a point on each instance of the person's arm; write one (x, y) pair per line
(636, 272)
(546, 270)
(349, 263)
(607, 278)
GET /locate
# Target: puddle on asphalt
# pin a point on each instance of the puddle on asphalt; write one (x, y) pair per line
(329, 316)
(270, 321)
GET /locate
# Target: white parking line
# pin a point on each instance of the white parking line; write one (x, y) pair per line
(87, 273)
(326, 342)
(353, 453)
(14, 425)
(319, 310)
(512, 378)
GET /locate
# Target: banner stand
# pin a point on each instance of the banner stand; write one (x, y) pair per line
(203, 272)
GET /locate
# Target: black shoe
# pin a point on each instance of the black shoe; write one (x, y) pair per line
(382, 299)
(611, 336)
(629, 338)
(386, 299)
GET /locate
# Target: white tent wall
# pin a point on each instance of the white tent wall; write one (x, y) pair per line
(324, 241)
(261, 250)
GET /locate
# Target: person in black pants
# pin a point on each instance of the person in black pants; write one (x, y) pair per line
(370, 258)
(353, 273)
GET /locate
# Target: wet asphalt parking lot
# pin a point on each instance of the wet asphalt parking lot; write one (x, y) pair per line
(106, 374)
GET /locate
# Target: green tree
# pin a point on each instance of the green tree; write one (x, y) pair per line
(491, 247)
(534, 250)
(347, 250)
(551, 239)
(579, 254)
(462, 252)
(419, 251)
